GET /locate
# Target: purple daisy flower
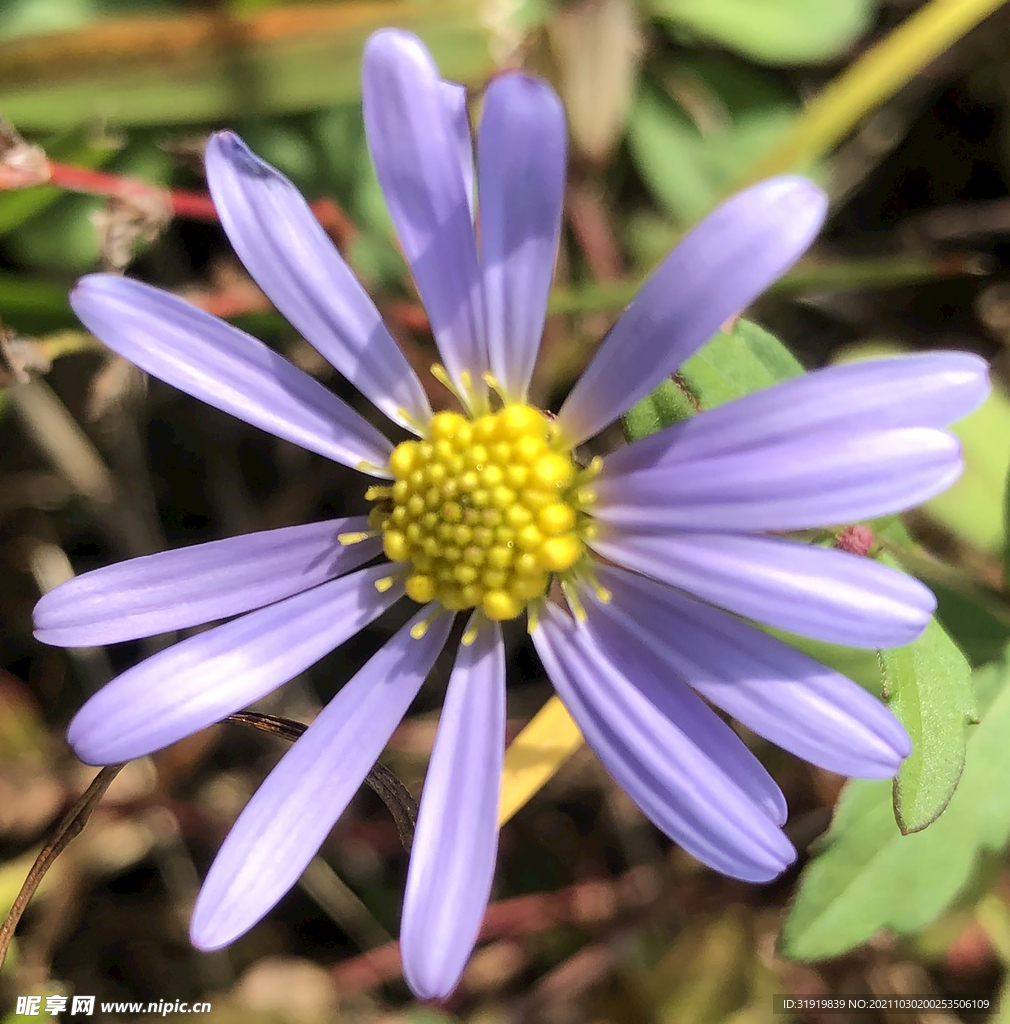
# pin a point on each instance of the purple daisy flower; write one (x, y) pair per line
(633, 569)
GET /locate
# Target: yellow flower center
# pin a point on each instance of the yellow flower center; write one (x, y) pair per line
(485, 511)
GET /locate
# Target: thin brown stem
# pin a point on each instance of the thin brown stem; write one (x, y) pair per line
(389, 789)
(69, 828)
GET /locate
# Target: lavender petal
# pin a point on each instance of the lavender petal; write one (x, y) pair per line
(203, 679)
(453, 856)
(675, 701)
(454, 98)
(661, 765)
(226, 368)
(190, 586)
(290, 815)
(924, 390)
(521, 156)
(717, 270)
(793, 484)
(413, 138)
(769, 687)
(286, 250)
(817, 592)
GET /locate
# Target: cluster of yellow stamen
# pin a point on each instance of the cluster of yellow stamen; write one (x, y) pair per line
(485, 511)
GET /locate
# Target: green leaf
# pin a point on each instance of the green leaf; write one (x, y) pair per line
(731, 364)
(670, 403)
(866, 875)
(773, 31)
(927, 684)
(690, 151)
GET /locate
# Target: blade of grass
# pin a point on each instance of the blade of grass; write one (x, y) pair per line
(214, 67)
(864, 85)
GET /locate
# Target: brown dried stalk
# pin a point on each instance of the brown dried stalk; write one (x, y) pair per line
(389, 789)
(69, 828)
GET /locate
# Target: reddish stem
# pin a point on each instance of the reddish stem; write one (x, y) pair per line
(192, 205)
(189, 205)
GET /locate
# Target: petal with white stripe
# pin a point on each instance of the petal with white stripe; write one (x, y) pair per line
(716, 270)
(773, 689)
(672, 778)
(226, 368)
(812, 591)
(521, 155)
(290, 815)
(207, 677)
(453, 856)
(190, 586)
(413, 136)
(290, 256)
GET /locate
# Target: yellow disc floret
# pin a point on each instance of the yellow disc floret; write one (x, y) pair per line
(484, 512)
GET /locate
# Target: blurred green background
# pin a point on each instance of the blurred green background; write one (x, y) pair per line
(671, 104)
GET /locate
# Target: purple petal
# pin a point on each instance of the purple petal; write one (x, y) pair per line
(812, 591)
(521, 153)
(454, 98)
(291, 258)
(678, 703)
(927, 390)
(453, 857)
(793, 484)
(290, 815)
(226, 368)
(768, 686)
(191, 586)
(205, 678)
(414, 141)
(717, 270)
(657, 759)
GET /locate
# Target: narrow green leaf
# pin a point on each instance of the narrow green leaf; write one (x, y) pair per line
(1006, 532)
(866, 875)
(773, 31)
